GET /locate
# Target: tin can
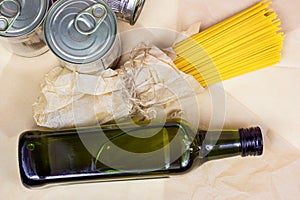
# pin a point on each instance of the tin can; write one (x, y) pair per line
(21, 26)
(83, 34)
(127, 10)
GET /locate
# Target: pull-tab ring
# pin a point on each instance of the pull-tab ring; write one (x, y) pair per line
(8, 15)
(95, 14)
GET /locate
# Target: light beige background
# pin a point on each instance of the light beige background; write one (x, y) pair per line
(269, 98)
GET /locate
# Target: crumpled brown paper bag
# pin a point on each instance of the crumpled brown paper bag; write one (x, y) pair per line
(148, 86)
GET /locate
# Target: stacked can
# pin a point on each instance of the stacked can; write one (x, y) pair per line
(21, 26)
(83, 34)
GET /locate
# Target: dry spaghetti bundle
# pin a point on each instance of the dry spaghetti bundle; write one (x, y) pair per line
(245, 42)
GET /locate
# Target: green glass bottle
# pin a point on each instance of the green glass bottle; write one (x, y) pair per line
(118, 152)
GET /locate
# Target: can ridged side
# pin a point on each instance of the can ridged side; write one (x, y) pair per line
(127, 10)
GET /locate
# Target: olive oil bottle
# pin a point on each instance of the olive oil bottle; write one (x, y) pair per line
(121, 152)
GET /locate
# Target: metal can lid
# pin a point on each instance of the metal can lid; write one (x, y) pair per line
(19, 17)
(80, 31)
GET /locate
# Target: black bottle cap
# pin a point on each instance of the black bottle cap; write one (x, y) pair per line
(251, 141)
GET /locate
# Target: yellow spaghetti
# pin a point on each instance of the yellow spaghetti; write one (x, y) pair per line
(247, 41)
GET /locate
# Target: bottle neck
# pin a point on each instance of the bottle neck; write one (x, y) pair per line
(228, 143)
